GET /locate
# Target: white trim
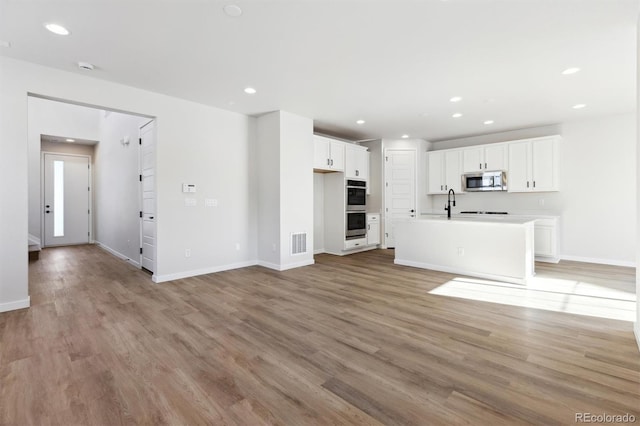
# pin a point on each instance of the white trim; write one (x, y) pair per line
(613, 262)
(287, 266)
(17, 304)
(118, 254)
(195, 272)
(636, 331)
(460, 271)
(319, 251)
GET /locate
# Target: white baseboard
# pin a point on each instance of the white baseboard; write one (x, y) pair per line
(459, 271)
(118, 254)
(195, 272)
(319, 251)
(636, 331)
(613, 262)
(17, 304)
(547, 259)
(287, 266)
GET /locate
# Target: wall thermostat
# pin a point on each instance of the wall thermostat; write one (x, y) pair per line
(188, 187)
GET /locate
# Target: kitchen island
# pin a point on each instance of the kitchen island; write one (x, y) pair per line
(497, 248)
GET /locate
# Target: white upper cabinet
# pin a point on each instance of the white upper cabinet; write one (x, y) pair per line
(328, 154)
(486, 157)
(444, 171)
(356, 162)
(533, 165)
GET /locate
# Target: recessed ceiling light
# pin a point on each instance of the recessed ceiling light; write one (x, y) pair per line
(232, 10)
(488, 122)
(455, 99)
(404, 136)
(5, 43)
(250, 90)
(360, 122)
(570, 71)
(70, 140)
(457, 115)
(57, 29)
(579, 106)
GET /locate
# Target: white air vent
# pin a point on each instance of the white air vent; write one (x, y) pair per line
(298, 243)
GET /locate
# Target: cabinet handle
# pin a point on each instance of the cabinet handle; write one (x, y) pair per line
(480, 165)
(368, 227)
(527, 184)
(485, 165)
(328, 162)
(534, 183)
(441, 188)
(445, 187)
(357, 173)
(332, 161)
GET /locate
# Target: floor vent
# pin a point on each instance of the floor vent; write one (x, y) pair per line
(298, 243)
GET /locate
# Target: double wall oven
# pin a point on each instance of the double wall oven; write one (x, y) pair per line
(356, 206)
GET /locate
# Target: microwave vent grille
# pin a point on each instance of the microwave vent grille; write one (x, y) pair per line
(298, 243)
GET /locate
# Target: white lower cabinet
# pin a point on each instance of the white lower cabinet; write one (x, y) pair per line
(546, 240)
(373, 229)
(355, 243)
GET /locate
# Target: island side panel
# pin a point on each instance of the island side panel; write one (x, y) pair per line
(501, 251)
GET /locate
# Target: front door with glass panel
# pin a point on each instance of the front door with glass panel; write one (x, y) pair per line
(66, 202)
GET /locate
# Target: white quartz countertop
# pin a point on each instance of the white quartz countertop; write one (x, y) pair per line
(492, 219)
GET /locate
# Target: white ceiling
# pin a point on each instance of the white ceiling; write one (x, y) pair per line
(393, 63)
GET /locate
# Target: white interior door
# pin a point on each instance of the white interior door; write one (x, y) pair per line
(400, 190)
(148, 191)
(66, 202)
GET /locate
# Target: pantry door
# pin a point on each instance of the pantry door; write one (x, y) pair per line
(400, 190)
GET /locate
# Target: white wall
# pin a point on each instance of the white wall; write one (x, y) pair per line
(46, 117)
(196, 144)
(296, 185)
(285, 175)
(116, 195)
(596, 201)
(268, 149)
(637, 324)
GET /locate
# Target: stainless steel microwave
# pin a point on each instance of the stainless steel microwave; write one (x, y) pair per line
(485, 181)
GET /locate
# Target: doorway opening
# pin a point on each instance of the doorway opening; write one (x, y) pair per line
(90, 179)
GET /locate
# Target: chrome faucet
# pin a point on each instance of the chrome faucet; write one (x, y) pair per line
(448, 206)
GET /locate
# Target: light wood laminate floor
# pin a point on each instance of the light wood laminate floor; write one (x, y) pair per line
(349, 340)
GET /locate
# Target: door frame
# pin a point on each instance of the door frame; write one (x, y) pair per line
(42, 191)
(383, 222)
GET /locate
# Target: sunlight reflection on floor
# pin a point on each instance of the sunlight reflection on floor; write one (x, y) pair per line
(551, 294)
